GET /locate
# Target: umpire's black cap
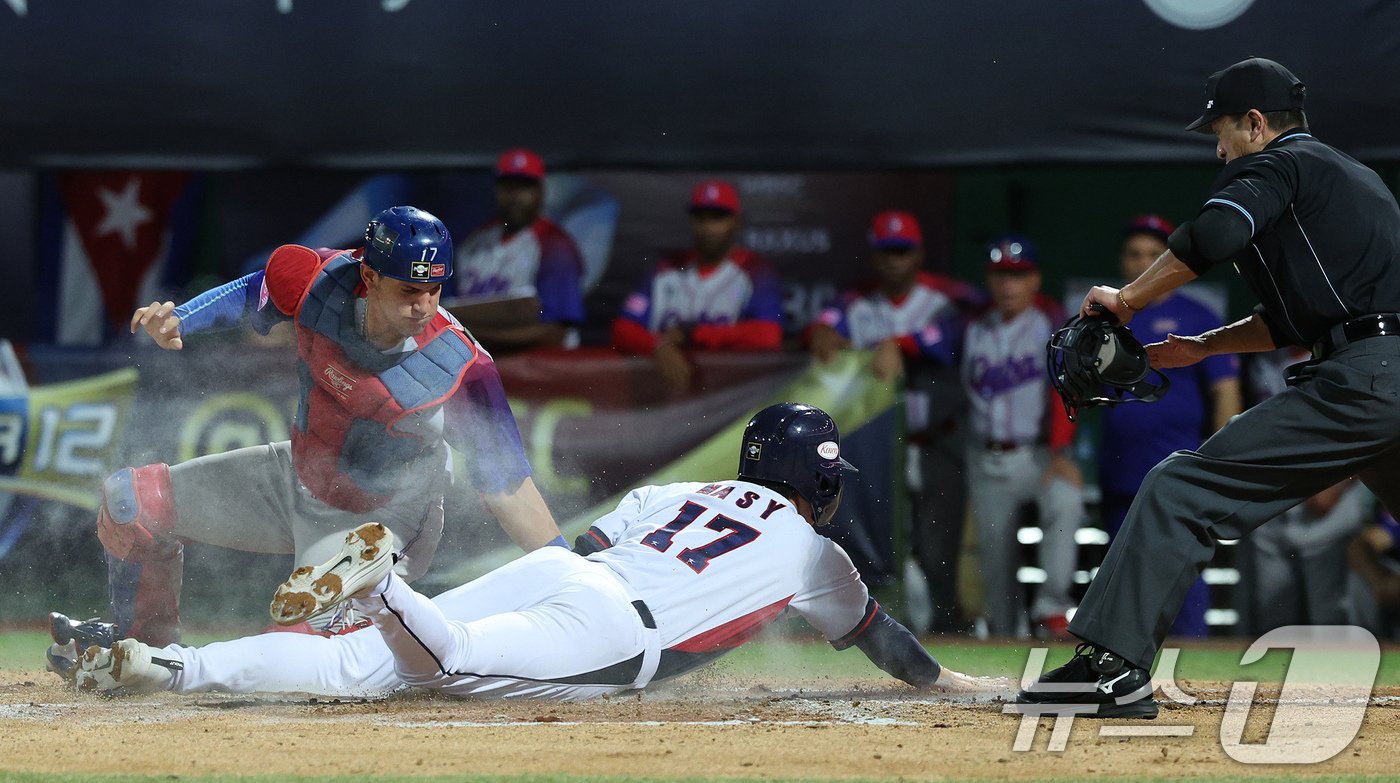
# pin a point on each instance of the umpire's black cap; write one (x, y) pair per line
(1255, 83)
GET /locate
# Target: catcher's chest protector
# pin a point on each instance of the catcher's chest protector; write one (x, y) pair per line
(345, 444)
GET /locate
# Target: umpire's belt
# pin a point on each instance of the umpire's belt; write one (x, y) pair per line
(1360, 328)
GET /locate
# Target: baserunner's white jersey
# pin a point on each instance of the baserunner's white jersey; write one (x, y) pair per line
(716, 562)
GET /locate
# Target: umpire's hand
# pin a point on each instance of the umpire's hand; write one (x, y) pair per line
(158, 322)
(1176, 351)
(1106, 297)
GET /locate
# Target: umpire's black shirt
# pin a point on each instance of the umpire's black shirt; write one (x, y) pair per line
(1325, 236)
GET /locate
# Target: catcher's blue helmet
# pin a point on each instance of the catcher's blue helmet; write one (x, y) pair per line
(797, 446)
(406, 243)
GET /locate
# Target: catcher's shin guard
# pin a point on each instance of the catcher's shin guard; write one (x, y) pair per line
(145, 562)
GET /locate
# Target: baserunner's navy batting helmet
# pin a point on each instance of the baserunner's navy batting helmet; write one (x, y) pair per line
(406, 243)
(799, 447)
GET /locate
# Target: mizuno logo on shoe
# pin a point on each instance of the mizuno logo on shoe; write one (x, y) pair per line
(1107, 685)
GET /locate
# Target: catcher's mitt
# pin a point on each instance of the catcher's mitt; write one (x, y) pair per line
(1095, 360)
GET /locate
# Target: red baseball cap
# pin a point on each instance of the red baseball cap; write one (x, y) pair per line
(1156, 225)
(895, 229)
(1012, 253)
(715, 194)
(521, 163)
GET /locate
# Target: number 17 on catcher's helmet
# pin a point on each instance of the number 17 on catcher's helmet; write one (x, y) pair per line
(799, 447)
(410, 244)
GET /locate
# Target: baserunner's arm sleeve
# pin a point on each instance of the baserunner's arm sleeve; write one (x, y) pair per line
(891, 646)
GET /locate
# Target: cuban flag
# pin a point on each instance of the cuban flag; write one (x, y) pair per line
(111, 241)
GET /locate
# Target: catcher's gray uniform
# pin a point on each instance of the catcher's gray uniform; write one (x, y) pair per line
(250, 499)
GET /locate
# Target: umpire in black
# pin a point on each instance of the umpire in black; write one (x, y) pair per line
(1316, 235)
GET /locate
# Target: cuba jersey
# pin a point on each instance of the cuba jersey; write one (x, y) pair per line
(1003, 370)
(680, 293)
(540, 261)
(715, 563)
(867, 317)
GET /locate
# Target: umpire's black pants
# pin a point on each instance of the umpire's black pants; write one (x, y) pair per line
(1342, 420)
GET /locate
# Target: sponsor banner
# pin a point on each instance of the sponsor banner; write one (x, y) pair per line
(58, 441)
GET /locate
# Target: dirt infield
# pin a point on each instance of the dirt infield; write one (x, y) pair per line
(712, 726)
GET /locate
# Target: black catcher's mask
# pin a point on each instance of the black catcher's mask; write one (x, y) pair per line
(1096, 361)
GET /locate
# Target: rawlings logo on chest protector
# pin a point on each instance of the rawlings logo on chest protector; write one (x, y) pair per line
(337, 381)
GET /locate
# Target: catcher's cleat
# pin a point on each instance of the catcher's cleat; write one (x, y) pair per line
(365, 559)
(84, 634)
(1095, 676)
(62, 659)
(127, 667)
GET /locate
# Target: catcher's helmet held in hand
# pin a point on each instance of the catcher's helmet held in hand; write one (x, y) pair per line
(799, 447)
(408, 244)
(1094, 360)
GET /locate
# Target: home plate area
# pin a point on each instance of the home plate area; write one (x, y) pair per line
(716, 726)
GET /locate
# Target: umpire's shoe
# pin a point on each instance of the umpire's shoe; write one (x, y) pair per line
(355, 570)
(1095, 676)
(127, 667)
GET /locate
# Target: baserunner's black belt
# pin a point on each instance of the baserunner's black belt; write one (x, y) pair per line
(1360, 328)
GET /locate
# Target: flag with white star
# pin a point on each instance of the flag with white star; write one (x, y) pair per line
(109, 240)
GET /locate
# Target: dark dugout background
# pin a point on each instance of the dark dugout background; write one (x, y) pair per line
(778, 84)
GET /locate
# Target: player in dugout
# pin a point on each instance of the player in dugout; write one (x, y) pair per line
(519, 277)
(675, 577)
(714, 296)
(388, 381)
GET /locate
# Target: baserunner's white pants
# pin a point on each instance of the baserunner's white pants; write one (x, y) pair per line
(549, 625)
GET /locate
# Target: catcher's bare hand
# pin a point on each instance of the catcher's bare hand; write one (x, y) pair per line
(163, 327)
(1176, 351)
(1107, 297)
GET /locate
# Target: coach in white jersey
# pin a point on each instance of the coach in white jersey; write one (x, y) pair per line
(521, 255)
(1020, 445)
(675, 577)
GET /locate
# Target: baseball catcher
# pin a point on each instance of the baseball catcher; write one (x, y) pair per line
(389, 381)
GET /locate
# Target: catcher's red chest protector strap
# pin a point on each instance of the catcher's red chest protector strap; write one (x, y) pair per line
(344, 443)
